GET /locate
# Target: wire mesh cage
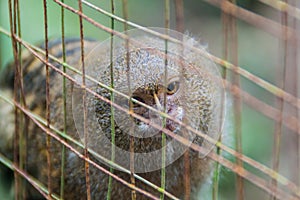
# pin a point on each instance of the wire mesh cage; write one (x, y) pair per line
(122, 100)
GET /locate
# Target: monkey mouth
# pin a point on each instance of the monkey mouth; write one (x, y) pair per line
(176, 114)
(146, 128)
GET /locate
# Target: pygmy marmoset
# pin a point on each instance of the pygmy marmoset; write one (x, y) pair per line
(169, 77)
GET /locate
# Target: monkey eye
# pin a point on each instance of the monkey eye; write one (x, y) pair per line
(172, 87)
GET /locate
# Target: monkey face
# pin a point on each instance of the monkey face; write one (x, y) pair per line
(150, 89)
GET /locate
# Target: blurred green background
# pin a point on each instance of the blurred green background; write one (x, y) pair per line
(257, 53)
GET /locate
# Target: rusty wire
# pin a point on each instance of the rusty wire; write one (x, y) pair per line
(289, 121)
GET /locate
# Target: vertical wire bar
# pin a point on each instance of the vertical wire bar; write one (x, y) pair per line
(86, 134)
(295, 47)
(297, 64)
(280, 102)
(236, 101)
(163, 137)
(16, 112)
(216, 176)
(112, 98)
(291, 85)
(237, 112)
(63, 150)
(179, 9)
(21, 125)
(48, 139)
(291, 80)
(25, 119)
(216, 173)
(22, 118)
(179, 12)
(18, 115)
(132, 179)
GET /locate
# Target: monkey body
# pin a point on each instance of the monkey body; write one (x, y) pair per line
(74, 177)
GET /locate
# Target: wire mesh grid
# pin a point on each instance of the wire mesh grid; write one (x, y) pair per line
(258, 153)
